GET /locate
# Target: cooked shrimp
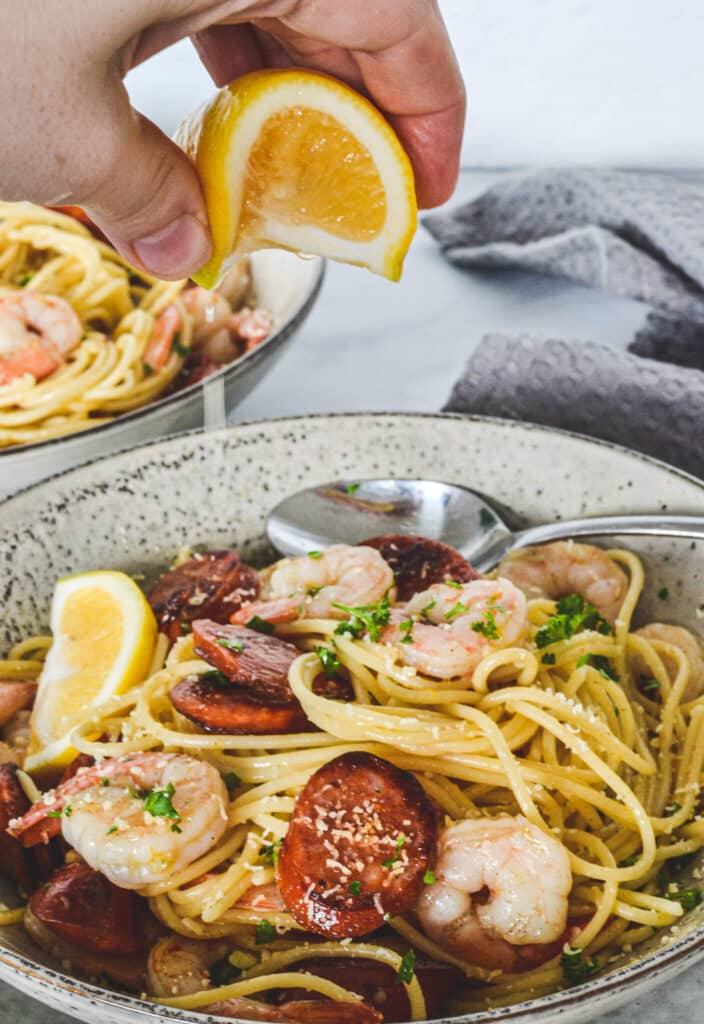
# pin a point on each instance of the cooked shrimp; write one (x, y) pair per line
(311, 587)
(180, 967)
(687, 642)
(212, 336)
(37, 332)
(252, 326)
(137, 819)
(166, 327)
(566, 567)
(460, 625)
(502, 887)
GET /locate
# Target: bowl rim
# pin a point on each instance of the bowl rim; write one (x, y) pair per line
(228, 371)
(228, 428)
(676, 956)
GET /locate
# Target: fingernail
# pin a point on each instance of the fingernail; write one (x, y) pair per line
(177, 250)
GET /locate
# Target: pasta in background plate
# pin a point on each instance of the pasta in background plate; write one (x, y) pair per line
(84, 336)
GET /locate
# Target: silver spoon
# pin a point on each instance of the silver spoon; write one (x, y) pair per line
(349, 511)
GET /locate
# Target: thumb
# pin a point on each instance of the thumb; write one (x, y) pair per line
(148, 199)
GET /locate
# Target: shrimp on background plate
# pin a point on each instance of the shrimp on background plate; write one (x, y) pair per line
(37, 332)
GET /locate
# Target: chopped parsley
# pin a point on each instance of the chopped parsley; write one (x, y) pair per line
(406, 628)
(399, 846)
(429, 878)
(355, 888)
(575, 967)
(672, 808)
(261, 625)
(407, 968)
(352, 488)
(651, 686)
(600, 663)
(157, 802)
(315, 554)
(487, 626)
(148, 370)
(223, 972)
(231, 780)
(457, 609)
(663, 593)
(364, 618)
(271, 852)
(214, 675)
(329, 660)
(453, 583)
(176, 828)
(25, 279)
(627, 862)
(113, 828)
(312, 591)
(105, 781)
(573, 614)
(687, 898)
(264, 932)
(429, 607)
(178, 346)
(548, 659)
(231, 645)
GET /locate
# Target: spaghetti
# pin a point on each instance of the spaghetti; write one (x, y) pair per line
(119, 363)
(586, 737)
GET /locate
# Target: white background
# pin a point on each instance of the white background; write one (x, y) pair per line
(585, 81)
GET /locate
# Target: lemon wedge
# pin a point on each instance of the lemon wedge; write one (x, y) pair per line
(296, 160)
(103, 640)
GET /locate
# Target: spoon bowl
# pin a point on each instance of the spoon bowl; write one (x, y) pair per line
(351, 511)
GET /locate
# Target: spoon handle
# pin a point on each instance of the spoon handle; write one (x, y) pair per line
(650, 525)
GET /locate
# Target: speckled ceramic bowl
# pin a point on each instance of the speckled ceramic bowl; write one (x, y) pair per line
(132, 511)
(283, 284)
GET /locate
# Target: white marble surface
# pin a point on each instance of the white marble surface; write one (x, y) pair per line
(552, 81)
(373, 345)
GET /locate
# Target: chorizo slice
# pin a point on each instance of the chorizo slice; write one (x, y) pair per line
(220, 707)
(212, 584)
(82, 907)
(255, 661)
(127, 971)
(418, 562)
(378, 984)
(16, 862)
(360, 840)
(79, 761)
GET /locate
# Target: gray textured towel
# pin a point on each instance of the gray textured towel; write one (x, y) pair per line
(636, 234)
(593, 389)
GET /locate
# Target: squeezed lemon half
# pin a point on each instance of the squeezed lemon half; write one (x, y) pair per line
(296, 160)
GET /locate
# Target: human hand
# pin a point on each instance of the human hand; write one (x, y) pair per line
(69, 135)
